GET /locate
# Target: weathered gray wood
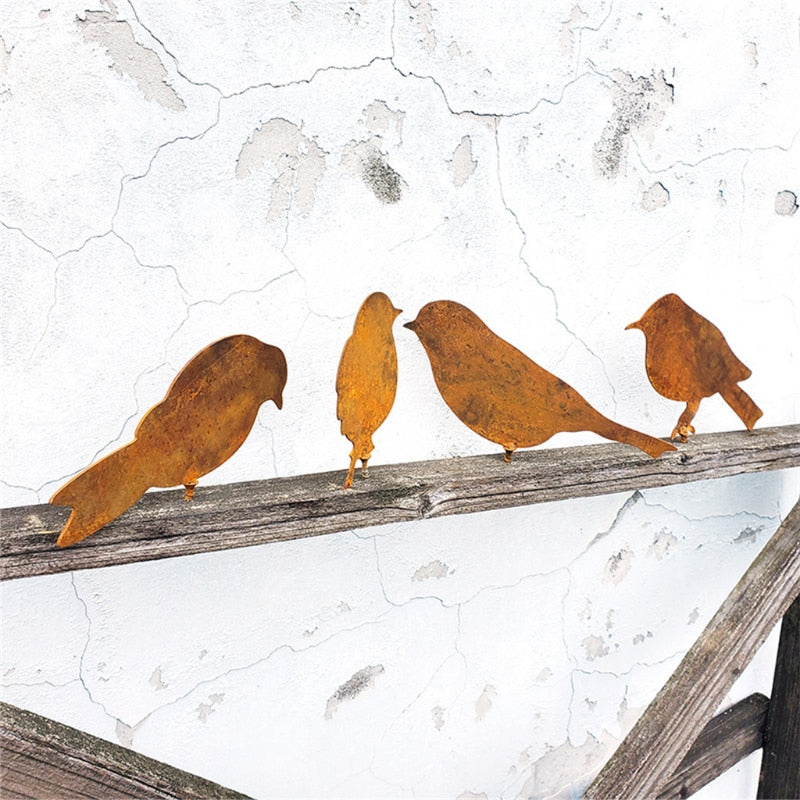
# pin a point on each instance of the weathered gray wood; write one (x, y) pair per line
(645, 760)
(780, 763)
(162, 525)
(724, 742)
(42, 758)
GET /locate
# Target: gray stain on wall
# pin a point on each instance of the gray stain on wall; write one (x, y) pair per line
(639, 107)
(350, 689)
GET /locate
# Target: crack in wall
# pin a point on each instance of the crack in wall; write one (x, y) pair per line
(549, 289)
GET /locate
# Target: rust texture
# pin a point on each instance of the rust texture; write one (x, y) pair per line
(687, 359)
(366, 381)
(500, 393)
(202, 421)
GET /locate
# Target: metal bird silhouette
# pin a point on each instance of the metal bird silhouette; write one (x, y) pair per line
(687, 359)
(202, 421)
(500, 393)
(366, 381)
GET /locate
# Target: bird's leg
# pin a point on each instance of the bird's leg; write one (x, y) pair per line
(507, 455)
(684, 428)
(189, 493)
(348, 481)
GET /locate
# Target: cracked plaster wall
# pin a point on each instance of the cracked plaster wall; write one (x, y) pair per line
(177, 173)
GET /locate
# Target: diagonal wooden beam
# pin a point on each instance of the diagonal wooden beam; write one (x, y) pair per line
(162, 525)
(780, 764)
(723, 743)
(662, 736)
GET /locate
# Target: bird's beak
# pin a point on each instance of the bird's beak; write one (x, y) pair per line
(397, 312)
(412, 326)
(636, 325)
(278, 400)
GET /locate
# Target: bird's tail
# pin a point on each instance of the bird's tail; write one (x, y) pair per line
(101, 493)
(741, 402)
(609, 429)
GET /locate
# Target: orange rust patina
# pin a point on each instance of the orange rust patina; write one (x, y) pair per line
(500, 393)
(366, 381)
(687, 359)
(202, 421)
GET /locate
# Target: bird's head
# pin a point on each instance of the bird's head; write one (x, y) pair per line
(440, 316)
(378, 307)
(664, 309)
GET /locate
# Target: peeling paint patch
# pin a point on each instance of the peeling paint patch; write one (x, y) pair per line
(618, 566)
(473, 796)
(748, 535)
(461, 163)
(381, 120)
(129, 58)
(124, 733)
(594, 647)
(663, 542)
(350, 689)
(483, 705)
(436, 569)
(694, 616)
(422, 14)
(544, 675)
(295, 12)
(751, 53)
(639, 107)
(785, 203)
(437, 714)
(657, 196)
(156, 680)
(577, 18)
(640, 637)
(205, 710)
(298, 161)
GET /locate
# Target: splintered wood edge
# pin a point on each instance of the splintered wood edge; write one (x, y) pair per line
(41, 756)
(662, 736)
(162, 525)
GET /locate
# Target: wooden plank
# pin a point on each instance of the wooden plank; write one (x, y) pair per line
(723, 743)
(780, 763)
(646, 759)
(162, 525)
(43, 758)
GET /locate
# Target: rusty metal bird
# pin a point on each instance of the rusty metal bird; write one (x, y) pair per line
(687, 359)
(202, 421)
(366, 381)
(500, 393)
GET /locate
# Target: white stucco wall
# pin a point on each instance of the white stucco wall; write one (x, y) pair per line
(177, 172)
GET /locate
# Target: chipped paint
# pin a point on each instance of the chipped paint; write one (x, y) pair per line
(296, 164)
(129, 57)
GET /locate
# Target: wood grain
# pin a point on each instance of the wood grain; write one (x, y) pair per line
(162, 525)
(780, 764)
(42, 758)
(727, 739)
(662, 736)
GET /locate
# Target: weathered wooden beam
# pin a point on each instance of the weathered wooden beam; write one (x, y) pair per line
(780, 763)
(724, 742)
(662, 736)
(162, 525)
(42, 758)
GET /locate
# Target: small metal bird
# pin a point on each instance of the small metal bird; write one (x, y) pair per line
(366, 381)
(500, 393)
(687, 359)
(202, 421)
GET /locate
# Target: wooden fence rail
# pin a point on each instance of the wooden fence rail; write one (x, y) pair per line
(162, 525)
